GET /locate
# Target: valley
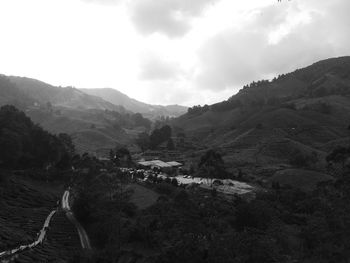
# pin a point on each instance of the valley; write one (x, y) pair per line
(259, 177)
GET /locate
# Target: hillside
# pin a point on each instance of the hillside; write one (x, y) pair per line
(148, 110)
(10, 94)
(93, 131)
(268, 123)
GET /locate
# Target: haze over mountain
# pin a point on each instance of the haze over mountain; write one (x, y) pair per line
(151, 111)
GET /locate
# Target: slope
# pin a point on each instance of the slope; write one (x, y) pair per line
(10, 94)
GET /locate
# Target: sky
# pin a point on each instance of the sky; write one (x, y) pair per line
(186, 52)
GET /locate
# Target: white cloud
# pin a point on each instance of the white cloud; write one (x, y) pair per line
(103, 2)
(157, 68)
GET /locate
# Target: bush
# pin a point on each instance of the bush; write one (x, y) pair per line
(81, 207)
(257, 215)
(174, 182)
(300, 159)
(165, 188)
(290, 106)
(181, 197)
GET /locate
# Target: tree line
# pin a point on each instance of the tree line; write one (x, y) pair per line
(24, 144)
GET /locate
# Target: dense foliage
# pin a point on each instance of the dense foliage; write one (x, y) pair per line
(121, 157)
(25, 145)
(128, 120)
(211, 165)
(281, 225)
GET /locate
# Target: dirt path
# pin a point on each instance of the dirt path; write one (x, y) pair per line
(84, 239)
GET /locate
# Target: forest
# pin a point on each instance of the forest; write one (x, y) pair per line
(24, 144)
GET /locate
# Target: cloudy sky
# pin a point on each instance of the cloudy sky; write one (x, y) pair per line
(168, 51)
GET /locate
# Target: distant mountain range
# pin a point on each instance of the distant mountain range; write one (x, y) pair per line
(28, 91)
(303, 114)
(148, 110)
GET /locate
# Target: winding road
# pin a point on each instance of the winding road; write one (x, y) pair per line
(84, 239)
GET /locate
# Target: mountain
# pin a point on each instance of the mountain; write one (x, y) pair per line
(69, 97)
(292, 120)
(148, 110)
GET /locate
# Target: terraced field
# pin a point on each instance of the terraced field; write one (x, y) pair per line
(25, 204)
(61, 244)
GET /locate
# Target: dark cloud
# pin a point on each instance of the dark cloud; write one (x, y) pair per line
(156, 68)
(232, 59)
(170, 17)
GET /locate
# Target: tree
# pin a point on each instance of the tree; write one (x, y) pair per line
(111, 155)
(339, 155)
(211, 165)
(139, 120)
(159, 136)
(123, 157)
(24, 144)
(273, 101)
(170, 145)
(10, 148)
(143, 140)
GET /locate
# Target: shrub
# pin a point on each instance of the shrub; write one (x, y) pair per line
(257, 214)
(164, 188)
(174, 182)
